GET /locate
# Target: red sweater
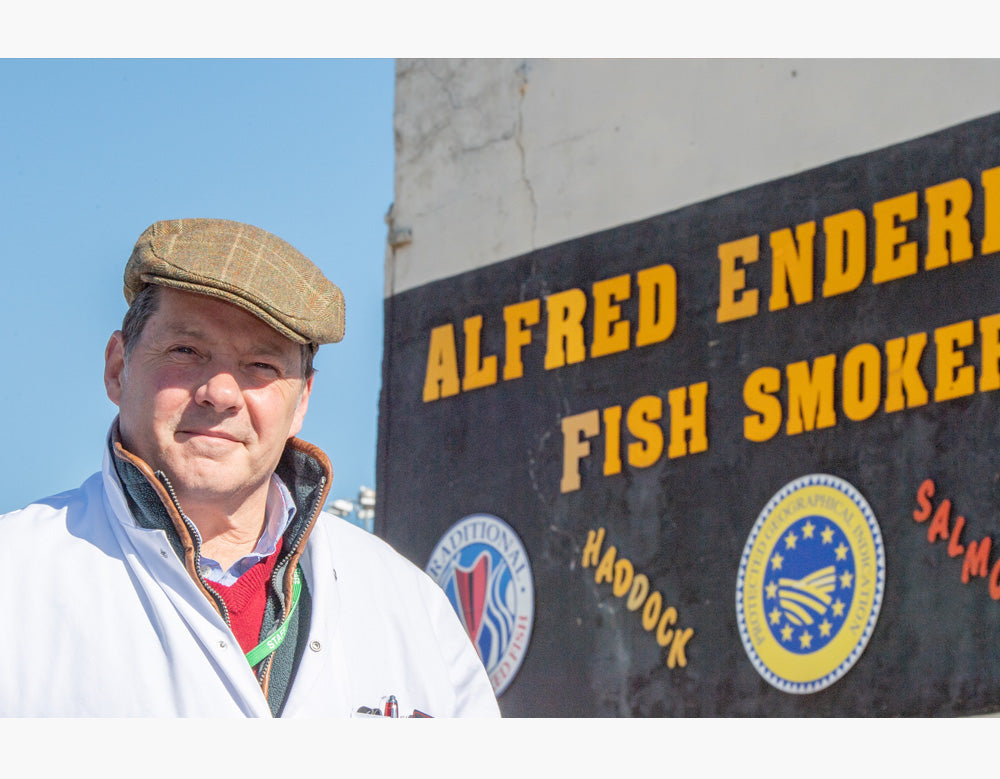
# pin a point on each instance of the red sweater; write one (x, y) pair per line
(245, 600)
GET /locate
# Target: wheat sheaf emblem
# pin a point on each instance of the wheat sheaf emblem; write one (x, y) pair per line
(805, 599)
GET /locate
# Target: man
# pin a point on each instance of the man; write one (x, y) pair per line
(195, 575)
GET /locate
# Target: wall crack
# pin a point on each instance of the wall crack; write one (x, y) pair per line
(522, 72)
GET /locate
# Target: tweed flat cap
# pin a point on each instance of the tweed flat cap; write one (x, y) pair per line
(243, 265)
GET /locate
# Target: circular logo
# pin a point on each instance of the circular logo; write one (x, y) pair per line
(810, 584)
(483, 568)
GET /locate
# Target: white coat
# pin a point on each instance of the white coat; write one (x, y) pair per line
(101, 619)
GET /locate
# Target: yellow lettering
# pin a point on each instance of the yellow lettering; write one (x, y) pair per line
(948, 232)
(758, 395)
(612, 440)
(902, 360)
(651, 611)
(606, 570)
(657, 619)
(564, 342)
(845, 252)
(642, 415)
(991, 211)
(657, 304)
(681, 421)
(792, 267)
(624, 573)
(637, 595)
(576, 429)
(441, 378)
(890, 236)
(663, 632)
(989, 328)
(676, 657)
(478, 372)
(611, 334)
(518, 317)
(810, 395)
(954, 378)
(732, 279)
(862, 380)
(592, 549)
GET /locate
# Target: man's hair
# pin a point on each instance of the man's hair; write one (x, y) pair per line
(145, 305)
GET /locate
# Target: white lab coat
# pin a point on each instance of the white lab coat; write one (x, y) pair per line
(101, 619)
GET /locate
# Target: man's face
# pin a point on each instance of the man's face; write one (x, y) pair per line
(210, 395)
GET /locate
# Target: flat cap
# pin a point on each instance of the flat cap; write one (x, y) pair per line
(243, 265)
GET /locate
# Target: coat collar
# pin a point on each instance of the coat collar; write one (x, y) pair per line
(304, 468)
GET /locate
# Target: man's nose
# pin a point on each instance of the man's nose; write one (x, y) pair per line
(221, 390)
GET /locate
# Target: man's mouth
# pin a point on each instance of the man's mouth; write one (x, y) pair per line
(221, 435)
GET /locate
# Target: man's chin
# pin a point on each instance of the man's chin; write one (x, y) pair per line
(207, 478)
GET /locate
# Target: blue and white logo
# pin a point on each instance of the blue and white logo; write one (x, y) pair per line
(483, 568)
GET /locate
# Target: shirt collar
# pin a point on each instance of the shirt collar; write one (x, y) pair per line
(277, 516)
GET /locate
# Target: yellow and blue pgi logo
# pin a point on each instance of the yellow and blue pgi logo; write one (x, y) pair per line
(810, 584)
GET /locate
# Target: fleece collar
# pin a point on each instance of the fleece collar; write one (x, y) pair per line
(303, 467)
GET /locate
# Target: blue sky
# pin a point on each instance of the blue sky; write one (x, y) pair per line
(93, 151)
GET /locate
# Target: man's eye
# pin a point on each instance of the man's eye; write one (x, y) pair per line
(183, 350)
(264, 366)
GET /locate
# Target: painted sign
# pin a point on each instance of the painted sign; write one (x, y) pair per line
(484, 570)
(783, 399)
(810, 584)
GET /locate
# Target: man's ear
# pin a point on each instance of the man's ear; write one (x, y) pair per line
(114, 366)
(303, 406)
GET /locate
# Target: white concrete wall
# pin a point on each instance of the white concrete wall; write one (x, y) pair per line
(495, 158)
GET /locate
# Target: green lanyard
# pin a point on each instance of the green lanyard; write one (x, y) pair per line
(273, 641)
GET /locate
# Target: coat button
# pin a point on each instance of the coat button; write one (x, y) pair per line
(222, 644)
(315, 646)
